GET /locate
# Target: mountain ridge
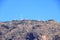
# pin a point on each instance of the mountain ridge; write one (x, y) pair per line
(29, 30)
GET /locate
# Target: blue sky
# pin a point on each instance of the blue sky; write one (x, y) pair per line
(29, 9)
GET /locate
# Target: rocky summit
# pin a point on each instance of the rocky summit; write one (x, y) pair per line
(30, 30)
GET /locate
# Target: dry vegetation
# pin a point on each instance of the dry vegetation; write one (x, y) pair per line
(30, 30)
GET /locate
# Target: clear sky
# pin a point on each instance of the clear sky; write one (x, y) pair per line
(29, 9)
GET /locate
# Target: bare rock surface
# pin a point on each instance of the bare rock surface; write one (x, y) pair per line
(30, 30)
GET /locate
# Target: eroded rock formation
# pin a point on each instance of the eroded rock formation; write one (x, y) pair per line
(30, 30)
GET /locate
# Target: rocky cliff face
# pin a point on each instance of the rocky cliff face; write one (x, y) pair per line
(30, 30)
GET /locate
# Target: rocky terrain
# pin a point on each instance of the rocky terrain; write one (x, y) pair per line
(29, 30)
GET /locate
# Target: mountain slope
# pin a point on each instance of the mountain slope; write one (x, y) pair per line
(30, 30)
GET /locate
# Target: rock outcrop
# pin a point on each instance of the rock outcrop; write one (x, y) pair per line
(30, 30)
